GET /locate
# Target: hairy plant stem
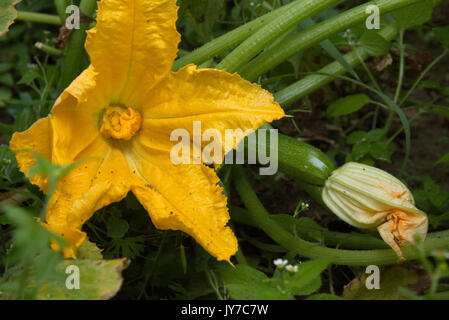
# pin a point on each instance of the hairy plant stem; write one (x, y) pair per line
(271, 31)
(275, 55)
(307, 249)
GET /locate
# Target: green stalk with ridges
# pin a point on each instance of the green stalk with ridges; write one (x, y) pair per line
(311, 83)
(230, 39)
(309, 37)
(266, 35)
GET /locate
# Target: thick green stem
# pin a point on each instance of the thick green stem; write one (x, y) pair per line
(230, 39)
(74, 51)
(311, 36)
(61, 6)
(314, 251)
(333, 238)
(311, 83)
(88, 7)
(38, 17)
(338, 239)
(270, 32)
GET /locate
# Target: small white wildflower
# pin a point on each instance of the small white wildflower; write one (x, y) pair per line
(280, 263)
(441, 253)
(251, 4)
(291, 268)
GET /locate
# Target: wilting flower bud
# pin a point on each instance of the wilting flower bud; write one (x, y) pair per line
(370, 198)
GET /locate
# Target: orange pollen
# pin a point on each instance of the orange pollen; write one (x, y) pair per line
(120, 123)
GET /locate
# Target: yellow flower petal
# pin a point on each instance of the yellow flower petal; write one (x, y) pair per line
(59, 136)
(75, 117)
(74, 238)
(133, 45)
(186, 198)
(218, 99)
(38, 138)
(99, 179)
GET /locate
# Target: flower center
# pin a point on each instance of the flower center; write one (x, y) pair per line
(120, 123)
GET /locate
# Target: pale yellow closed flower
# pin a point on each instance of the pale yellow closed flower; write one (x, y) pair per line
(370, 198)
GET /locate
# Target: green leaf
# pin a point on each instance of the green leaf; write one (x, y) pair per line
(25, 119)
(444, 159)
(117, 227)
(440, 110)
(347, 105)
(324, 296)
(7, 14)
(391, 279)
(442, 34)
(437, 196)
(5, 66)
(355, 136)
(31, 261)
(89, 251)
(8, 164)
(246, 283)
(129, 247)
(99, 280)
(366, 160)
(379, 151)
(374, 44)
(6, 79)
(5, 94)
(414, 15)
(203, 15)
(375, 135)
(360, 150)
(439, 220)
(31, 75)
(305, 277)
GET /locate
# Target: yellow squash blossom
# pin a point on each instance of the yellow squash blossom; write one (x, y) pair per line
(116, 119)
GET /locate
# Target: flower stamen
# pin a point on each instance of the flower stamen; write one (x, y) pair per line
(120, 123)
